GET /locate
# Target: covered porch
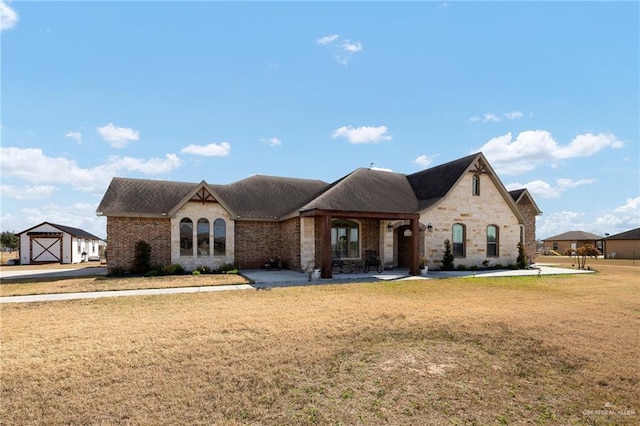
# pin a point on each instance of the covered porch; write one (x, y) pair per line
(371, 230)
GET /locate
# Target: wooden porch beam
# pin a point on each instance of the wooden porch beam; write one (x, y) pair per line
(414, 265)
(325, 245)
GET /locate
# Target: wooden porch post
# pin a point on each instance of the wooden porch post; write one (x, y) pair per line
(414, 265)
(325, 243)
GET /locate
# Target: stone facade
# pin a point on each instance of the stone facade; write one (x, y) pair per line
(528, 210)
(476, 213)
(125, 232)
(196, 211)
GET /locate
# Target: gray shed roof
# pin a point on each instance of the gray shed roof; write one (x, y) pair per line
(76, 232)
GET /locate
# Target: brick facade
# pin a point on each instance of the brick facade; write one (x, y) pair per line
(258, 241)
(123, 234)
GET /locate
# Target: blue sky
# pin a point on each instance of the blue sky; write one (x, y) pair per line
(188, 91)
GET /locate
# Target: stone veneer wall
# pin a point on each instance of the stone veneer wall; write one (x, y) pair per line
(124, 232)
(476, 213)
(529, 212)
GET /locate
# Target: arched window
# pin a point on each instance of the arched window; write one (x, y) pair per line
(458, 236)
(204, 248)
(186, 237)
(492, 241)
(345, 238)
(475, 185)
(219, 237)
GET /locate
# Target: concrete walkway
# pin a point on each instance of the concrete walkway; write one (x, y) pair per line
(263, 279)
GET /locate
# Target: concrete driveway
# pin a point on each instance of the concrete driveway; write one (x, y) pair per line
(9, 272)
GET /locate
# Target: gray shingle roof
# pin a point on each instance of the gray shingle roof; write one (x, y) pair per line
(632, 234)
(272, 198)
(268, 197)
(432, 184)
(575, 236)
(369, 191)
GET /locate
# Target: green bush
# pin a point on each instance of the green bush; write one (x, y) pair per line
(196, 272)
(226, 267)
(521, 261)
(141, 258)
(152, 273)
(447, 258)
(174, 269)
(204, 269)
(462, 267)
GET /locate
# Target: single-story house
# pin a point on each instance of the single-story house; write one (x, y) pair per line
(52, 243)
(625, 245)
(571, 240)
(306, 223)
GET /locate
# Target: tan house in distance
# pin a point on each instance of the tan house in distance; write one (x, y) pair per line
(571, 240)
(399, 217)
(625, 245)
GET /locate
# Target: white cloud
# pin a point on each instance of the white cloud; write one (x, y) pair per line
(272, 141)
(118, 137)
(31, 165)
(78, 215)
(622, 218)
(347, 46)
(533, 148)
(344, 48)
(364, 134)
(8, 16)
(559, 222)
(489, 116)
(541, 189)
(27, 192)
(210, 150)
(76, 136)
(424, 160)
(513, 115)
(327, 39)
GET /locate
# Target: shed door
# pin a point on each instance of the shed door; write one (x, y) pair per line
(46, 249)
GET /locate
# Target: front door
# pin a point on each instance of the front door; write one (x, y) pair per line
(403, 242)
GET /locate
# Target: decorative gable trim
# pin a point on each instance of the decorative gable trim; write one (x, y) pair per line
(203, 196)
(479, 167)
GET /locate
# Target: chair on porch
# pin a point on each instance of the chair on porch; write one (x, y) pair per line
(339, 266)
(372, 259)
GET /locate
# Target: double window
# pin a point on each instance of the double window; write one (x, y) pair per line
(202, 237)
(345, 238)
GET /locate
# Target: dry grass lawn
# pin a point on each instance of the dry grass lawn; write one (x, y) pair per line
(549, 350)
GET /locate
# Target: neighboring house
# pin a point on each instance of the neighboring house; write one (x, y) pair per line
(571, 240)
(625, 245)
(401, 217)
(53, 243)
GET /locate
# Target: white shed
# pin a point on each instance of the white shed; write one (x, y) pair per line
(53, 243)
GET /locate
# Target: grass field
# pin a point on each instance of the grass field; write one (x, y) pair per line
(549, 350)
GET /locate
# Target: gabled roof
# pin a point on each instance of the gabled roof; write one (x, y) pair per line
(367, 190)
(575, 236)
(142, 197)
(275, 198)
(519, 195)
(76, 232)
(433, 184)
(268, 197)
(633, 234)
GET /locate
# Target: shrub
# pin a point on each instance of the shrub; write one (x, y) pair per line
(226, 267)
(204, 269)
(141, 258)
(521, 261)
(485, 263)
(116, 271)
(447, 259)
(174, 269)
(196, 272)
(152, 273)
(462, 267)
